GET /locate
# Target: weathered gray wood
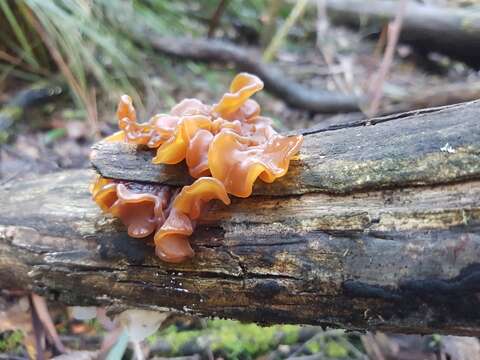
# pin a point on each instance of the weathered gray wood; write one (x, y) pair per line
(394, 151)
(403, 257)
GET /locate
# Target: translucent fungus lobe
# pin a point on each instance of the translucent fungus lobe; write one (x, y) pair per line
(226, 146)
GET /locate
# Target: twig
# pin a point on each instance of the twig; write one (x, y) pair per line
(38, 331)
(372, 348)
(278, 38)
(328, 51)
(222, 4)
(393, 34)
(40, 308)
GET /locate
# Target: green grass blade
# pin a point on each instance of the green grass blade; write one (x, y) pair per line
(20, 35)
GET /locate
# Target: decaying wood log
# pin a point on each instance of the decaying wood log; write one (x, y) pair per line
(378, 228)
(454, 32)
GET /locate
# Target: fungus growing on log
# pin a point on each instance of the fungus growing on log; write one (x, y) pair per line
(226, 146)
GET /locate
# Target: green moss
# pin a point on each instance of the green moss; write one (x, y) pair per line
(244, 339)
(231, 339)
(10, 341)
(334, 349)
(313, 347)
(291, 334)
(239, 340)
(178, 338)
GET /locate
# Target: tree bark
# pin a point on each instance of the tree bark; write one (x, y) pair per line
(377, 227)
(454, 32)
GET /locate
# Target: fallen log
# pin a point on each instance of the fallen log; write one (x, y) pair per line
(451, 31)
(378, 229)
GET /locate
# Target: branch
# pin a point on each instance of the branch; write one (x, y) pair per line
(393, 32)
(382, 239)
(244, 59)
(222, 4)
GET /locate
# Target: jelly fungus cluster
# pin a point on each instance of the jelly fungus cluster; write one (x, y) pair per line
(226, 146)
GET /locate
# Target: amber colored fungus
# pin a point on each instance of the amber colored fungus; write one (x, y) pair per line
(226, 146)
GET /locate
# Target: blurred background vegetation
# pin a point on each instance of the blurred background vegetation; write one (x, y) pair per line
(96, 49)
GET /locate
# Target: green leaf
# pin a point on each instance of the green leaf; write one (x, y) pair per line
(54, 135)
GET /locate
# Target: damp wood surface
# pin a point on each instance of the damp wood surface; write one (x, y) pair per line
(386, 237)
(430, 146)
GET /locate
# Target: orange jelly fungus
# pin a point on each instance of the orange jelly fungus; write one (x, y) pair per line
(226, 146)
